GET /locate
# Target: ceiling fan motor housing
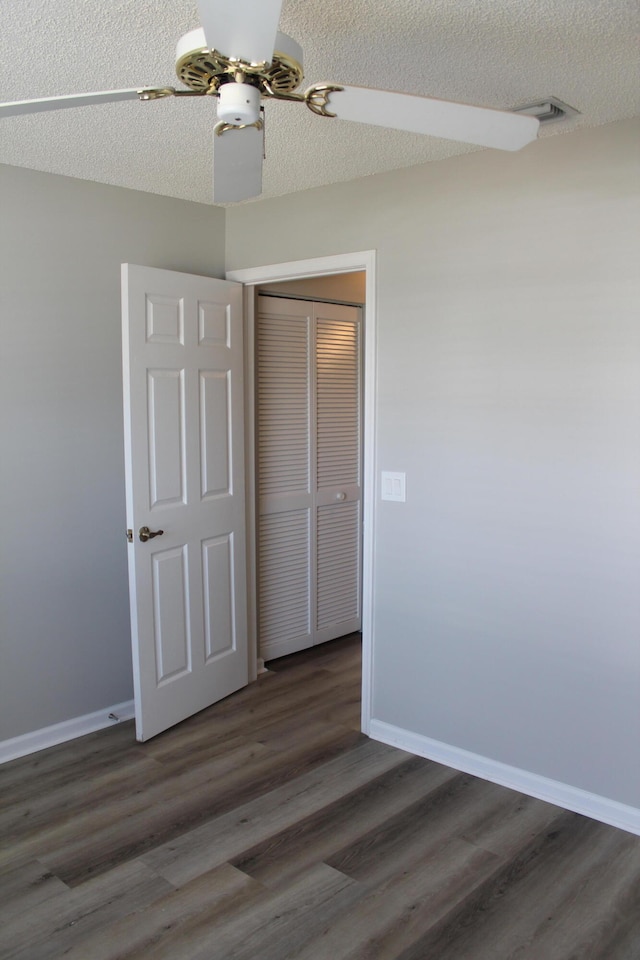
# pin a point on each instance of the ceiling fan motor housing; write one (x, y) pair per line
(238, 103)
(205, 69)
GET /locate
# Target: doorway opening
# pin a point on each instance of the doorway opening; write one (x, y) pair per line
(317, 276)
(308, 462)
(308, 466)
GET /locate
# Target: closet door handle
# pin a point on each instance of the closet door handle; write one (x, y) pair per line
(341, 495)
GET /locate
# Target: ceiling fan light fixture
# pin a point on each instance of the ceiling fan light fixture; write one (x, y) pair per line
(238, 103)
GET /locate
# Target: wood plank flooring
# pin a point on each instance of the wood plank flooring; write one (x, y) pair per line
(268, 828)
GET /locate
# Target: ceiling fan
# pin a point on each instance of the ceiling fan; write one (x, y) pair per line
(260, 63)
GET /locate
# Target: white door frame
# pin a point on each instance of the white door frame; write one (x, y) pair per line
(298, 270)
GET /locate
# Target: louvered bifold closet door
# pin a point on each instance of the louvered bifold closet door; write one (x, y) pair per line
(308, 473)
(338, 492)
(285, 501)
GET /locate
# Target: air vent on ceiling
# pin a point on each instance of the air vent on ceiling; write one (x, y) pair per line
(549, 110)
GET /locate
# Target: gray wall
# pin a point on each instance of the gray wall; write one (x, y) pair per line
(506, 597)
(64, 620)
(507, 611)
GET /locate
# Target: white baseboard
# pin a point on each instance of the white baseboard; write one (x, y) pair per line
(561, 794)
(67, 730)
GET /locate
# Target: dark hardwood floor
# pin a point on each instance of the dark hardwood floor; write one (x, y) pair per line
(268, 828)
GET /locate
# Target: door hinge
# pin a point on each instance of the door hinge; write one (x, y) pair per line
(130, 536)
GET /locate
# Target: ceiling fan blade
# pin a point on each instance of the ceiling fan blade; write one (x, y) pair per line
(17, 107)
(242, 29)
(437, 118)
(237, 164)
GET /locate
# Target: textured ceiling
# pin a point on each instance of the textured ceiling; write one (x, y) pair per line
(489, 52)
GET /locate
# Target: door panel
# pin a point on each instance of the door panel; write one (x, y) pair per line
(338, 401)
(284, 598)
(338, 480)
(218, 574)
(166, 448)
(284, 477)
(215, 439)
(338, 552)
(184, 422)
(171, 623)
(283, 345)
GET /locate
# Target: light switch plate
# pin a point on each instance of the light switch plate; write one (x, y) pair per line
(393, 486)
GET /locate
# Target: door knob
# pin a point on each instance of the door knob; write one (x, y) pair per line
(341, 496)
(145, 534)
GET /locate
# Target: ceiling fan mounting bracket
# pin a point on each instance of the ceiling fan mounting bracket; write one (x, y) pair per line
(156, 93)
(222, 127)
(159, 93)
(317, 98)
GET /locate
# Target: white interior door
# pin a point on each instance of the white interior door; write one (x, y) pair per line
(308, 472)
(184, 459)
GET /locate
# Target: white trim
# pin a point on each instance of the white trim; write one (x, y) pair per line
(325, 266)
(250, 482)
(67, 730)
(552, 791)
